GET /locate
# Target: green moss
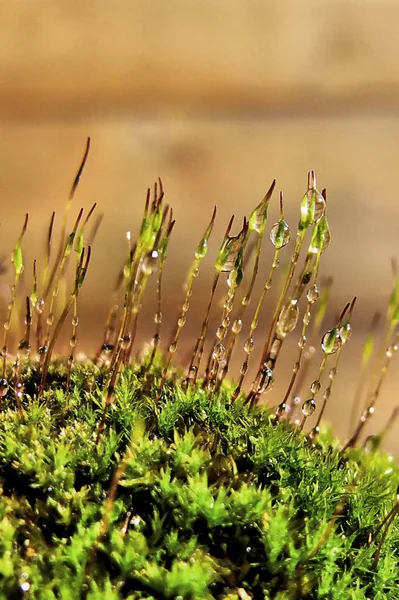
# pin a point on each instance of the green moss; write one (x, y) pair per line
(217, 500)
(124, 478)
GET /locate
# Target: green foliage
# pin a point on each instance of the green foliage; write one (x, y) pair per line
(216, 501)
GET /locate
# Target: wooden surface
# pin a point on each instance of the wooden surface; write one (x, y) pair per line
(70, 57)
(217, 98)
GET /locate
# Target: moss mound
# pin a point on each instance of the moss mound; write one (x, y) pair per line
(191, 497)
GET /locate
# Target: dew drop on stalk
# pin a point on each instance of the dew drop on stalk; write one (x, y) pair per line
(228, 305)
(313, 294)
(332, 373)
(75, 321)
(244, 369)
(280, 234)
(306, 317)
(326, 394)
(245, 301)
(390, 350)
(248, 346)
(50, 319)
(73, 341)
(195, 272)
(4, 387)
(308, 407)
(7, 324)
(331, 341)
(42, 350)
(266, 380)
(320, 206)
(158, 318)
(39, 306)
(226, 322)
(149, 263)
(182, 321)
(221, 332)
(185, 307)
(315, 386)
(237, 326)
(288, 318)
(345, 332)
(219, 352)
(173, 347)
(302, 342)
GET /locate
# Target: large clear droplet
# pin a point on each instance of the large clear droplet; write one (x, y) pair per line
(331, 341)
(280, 234)
(308, 407)
(288, 318)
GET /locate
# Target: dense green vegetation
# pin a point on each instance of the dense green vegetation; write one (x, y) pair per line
(138, 478)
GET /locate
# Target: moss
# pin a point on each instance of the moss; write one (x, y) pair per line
(124, 478)
(216, 500)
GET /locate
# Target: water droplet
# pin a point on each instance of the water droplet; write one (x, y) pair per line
(315, 387)
(25, 586)
(3, 387)
(18, 389)
(332, 373)
(313, 294)
(185, 307)
(158, 318)
(237, 326)
(219, 352)
(288, 318)
(73, 341)
(327, 394)
(7, 324)
(331, 341)
(280, 234)
(232, 248)
(244, 369)
(345, 332)
(308, 407)
(149, 264)
(226, 322)
(42, 350)
(266, 380)
(173, 347)
(228, 305)
(221, 332)
(195, 272)
(245, 301)
(320, 206)
(390, 350)
(39, 306)
(126, 341)
(182, 321)
(248, 346)
(75, 321)
(302, 342)
(50, 319)
(281, 410)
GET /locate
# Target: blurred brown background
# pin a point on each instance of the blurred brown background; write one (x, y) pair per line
(217, 98)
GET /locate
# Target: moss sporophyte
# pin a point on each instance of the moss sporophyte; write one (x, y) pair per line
(125, 477)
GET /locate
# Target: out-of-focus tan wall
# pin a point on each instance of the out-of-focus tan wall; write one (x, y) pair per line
(217, 98)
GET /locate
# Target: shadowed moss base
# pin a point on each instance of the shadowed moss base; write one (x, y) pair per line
(216, 500)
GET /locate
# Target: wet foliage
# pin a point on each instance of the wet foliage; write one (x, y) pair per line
(129, 476)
